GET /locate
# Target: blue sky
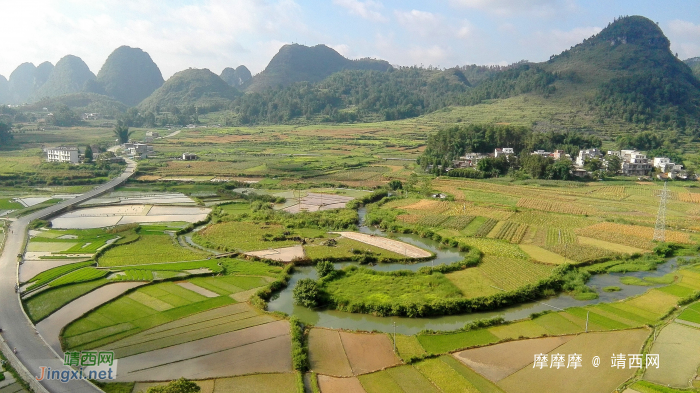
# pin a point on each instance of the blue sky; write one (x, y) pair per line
(218, 33)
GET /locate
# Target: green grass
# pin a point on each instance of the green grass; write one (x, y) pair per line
(177, 266)
(556, 324)
(408, 347)
(597, 319)
(243, 236)
(691, 314)
(443, 343)
(7, 204)
(51, 274)
(43, 304)
(612, 288)
(358, 286)
(648, 387)
(134, 275)
(472, 283)
(630, 280)
(379, 382)
(238, 266)
(78, 276)
(677, 290)
(228, 285)
(473, 226)
(148, 249)
(482, 384)
(344, 249)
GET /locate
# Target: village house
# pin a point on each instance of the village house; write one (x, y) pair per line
(63, 154)
(505, 151)
(587, 154)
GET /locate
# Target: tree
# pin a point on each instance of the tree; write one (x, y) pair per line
(324, 268)
(182, 385)
(5, 135)
(65, 117)
(614, 164)
(396, 184)
(306, 293)
(592, 164)
(88, 153)
(121, 131)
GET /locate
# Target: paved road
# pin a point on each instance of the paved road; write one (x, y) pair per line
(17, 330)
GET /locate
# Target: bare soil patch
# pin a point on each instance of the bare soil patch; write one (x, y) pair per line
(285, 254)
(326, 353)
(678, 347)
(197, 289)
(339, 385)
(498, 361)
(368, 352)
(396, 246)
(259, 349)
(587, 378)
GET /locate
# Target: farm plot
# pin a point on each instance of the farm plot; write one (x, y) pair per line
(448, 375)
(472, 283)
(408, 347)
(457, 222)
(135, 275)
(78, 276)
(344, 248)
(285, 254)
(678, 347)
(646, 233)
(510, 273)
(557, 236)
(144, 308)
(585, 379)
(43, 304)
(541, 255)
(339, 385)
(244, 236)
(260, 349)
(326, 353)
(485, 228)
(547, 220)
(47, 276)
(314, 202)
(395, 246)
(512, 232)
(553, 206)
(398, 379)
(612, 247)
(581, 252)
(691, 314)
(496, 362)
(228, 285)
(277, 382)
(368, 352)
(494, 247)
(432, 220)
(149, 249)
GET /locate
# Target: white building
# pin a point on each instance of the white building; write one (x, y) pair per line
(506, 151)
(541, 153)
(587, 154)
(63, 154)
(140, 150)
(634, 163)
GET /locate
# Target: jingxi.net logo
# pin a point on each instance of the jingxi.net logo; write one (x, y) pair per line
(83, 365)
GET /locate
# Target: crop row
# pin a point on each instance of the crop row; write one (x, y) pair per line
(86, 247)
(689, 197)
(51, 274)
(619, 238)
(81, 275)
(509, 273)
(638, 231)
(457, 222)
(560, 236)
(485, 228)
(511, 231)
(432, 220)
(580, 252)
(551, 206)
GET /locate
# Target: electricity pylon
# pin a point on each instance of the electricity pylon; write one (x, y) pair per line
(660, 227)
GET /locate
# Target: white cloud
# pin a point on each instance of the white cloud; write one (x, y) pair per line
(539, 8)
(368, 9)
(555, 41)
(343, 49)
(212, 34)
(433, 26)
(685, 38)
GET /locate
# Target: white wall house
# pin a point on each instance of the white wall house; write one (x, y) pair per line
(506, 151)
(63, 154)
(587, 154)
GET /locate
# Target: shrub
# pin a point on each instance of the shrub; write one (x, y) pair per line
(306, 293)
(324, 268)
(300, 358)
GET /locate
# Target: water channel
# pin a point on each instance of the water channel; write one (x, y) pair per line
(338, 319)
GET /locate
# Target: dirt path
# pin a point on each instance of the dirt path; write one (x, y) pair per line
(396, 246)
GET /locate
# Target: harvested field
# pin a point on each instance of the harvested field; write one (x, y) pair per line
(282, 382)
(286, 254)
(678, 347)
(326, 353)
(587, 378)
(541, 255)
(49, 247)
(638, 231)
(339, 385)
(498, 361)
(314, 202)
(50, 328)
(396, 246)
(398, 379)
(197, 289)
(368, 352)
(252, 350)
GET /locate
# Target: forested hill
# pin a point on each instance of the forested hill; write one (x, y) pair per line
(68, 76)
(300, 63)
(694, 64)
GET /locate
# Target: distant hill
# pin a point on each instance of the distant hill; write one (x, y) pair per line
(198, 87)
(21, 83)
(41, 74)
(694, 64)
(82, 102)
(4, 91)
(68, 76)
(129, 75)
(299, 63)
(236, 77)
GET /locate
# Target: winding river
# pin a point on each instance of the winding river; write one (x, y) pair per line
(284, 302)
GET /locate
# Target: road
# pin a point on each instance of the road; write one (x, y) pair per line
(17, 330)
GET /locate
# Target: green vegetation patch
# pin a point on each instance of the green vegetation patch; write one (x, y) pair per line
(482, 384)
(8, 204)
(691, 314)
(147, 250)
(677, 290)
(43, 304)
(344, 248)
(362, 286)
(177, 266)
(443, 343)
(244, 236)
(408, 347)
(444, 376)
(556, 324)
(78, 276)
(596, 318)
(49, 275)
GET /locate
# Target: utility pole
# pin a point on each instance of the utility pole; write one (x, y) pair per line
(394, 337)
(587, 314)
(660, 227)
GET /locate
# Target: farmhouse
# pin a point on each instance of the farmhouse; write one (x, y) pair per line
(587, 154)
(141, 150)
(634, 163)
(62, 154)
(506, 151)
(469, 160)
(189, 156)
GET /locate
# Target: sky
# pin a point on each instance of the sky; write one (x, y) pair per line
(215, 34)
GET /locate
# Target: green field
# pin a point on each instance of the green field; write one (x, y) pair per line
(147, 250)
(43, 304)
(47, 276)
(343, 249)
